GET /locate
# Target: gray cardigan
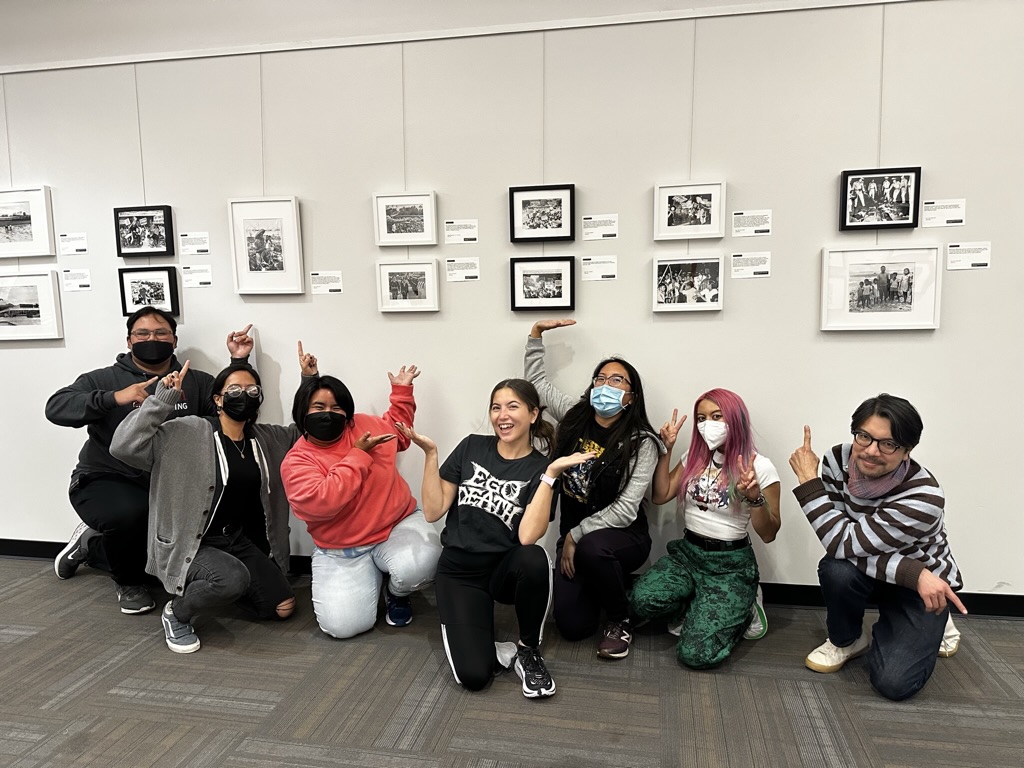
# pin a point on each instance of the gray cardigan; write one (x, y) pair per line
(189, 469)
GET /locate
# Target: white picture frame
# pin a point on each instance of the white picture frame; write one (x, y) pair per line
(845, 306)
(407, 285)
(689, 211)
(405, 218)
(687, 283)
(30, 306)
(266, 245)
(26, 223)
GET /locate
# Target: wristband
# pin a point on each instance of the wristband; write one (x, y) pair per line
(545, 478)
(760, 501)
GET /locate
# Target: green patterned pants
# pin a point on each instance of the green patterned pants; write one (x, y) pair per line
(711, 592)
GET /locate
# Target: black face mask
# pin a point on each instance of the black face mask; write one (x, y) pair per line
(242, 408)
(325, 426)
(153, 352)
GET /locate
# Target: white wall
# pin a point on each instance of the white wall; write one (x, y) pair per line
(776, 104)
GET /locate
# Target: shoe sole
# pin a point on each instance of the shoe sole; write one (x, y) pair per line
(137, 611)
(835, 667)
(530, 694)
(72, 544)
(183, 648)
(390, 623)
(945, 653)
(612, 656)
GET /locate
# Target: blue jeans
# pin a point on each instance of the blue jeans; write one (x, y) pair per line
(346, 582)
(905, 640)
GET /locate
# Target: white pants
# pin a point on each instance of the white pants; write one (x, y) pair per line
(346, 582)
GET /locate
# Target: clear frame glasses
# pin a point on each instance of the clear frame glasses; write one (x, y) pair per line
(160, 333)
(236, 390)
(886, 447)
(614, 380)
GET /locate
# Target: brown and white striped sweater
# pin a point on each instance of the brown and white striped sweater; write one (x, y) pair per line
(891, 539)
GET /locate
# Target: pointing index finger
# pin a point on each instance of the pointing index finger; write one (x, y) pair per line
(300, 349)
(807, 437)
(184, 370)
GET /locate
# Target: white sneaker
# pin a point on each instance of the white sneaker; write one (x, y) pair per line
(675, 629)
(758, 622)
(950, 639)
(830, 658)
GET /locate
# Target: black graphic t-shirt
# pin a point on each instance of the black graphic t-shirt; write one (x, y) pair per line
(576, 480)
(493, 494)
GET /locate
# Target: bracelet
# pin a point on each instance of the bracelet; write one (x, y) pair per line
(760, 501)
(545, 478)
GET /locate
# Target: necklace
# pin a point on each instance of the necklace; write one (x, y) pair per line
(239, 448)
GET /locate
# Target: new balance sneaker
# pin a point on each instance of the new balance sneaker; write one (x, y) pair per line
(134, 599)
(830, 658)
(74, 554)
(615, 642)
(398, 610)
(758, 621)
(950, 639)
(534, 673)
(180, 636)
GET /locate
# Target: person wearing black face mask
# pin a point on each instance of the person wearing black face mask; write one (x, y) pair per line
(217, 507)
(110, 496)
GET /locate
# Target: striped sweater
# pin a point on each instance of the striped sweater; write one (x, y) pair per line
(891, 539)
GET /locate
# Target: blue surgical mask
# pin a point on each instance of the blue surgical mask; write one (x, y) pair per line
(607, 400)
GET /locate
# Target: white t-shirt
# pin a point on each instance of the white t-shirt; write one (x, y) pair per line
(707, 509)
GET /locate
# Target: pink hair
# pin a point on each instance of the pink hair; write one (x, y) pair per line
(739, 439)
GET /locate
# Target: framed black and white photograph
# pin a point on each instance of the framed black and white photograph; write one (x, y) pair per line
(687, 283)
(266, 244)
(689, 211)
(880, 289)
(26, 223)
(543, 282)
(149, 287)
(30, 306)
(407, 218)
(407, 286)
(144, 231)
(544, 214)
(879, 198)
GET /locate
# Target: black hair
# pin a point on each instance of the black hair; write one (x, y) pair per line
(146, 312)
(904, 420)
(309, 387)
(633, 420)
(540, 429)
(220, 378)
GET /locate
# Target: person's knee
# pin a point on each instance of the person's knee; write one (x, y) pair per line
(696, 656)
(895, 686)
(475, 677)
(836, 573)
(343, 625)
(286, 608)
(574, 628)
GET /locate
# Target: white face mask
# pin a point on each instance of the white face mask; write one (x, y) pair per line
(713, 432)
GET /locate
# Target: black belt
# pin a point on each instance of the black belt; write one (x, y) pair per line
(716, 545)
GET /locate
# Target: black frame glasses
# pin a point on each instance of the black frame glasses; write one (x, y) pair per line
(886, 446)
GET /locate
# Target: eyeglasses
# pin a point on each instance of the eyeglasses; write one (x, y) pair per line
(159, 333)
(236, 390)
(615, 381)
(886, 447)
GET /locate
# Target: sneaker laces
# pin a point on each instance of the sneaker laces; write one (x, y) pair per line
(617, 630)
(134, 592)
(534, 670)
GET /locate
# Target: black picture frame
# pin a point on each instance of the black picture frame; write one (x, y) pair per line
(542, 214)
(543, 283)
(144, 230)
(149, 287)
(880, 198)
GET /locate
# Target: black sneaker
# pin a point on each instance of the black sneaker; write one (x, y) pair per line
(534, 673)
(180, 636)
(74, 554)
(398, 610)
(134, 599)
(615, 641)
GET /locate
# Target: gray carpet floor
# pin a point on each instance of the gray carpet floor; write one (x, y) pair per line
(83, 685)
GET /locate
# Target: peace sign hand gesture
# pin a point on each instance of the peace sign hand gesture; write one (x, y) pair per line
(669, 431)
(746, 480)
(804, 461)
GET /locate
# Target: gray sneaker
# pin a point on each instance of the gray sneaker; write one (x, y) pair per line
(74, 554)
(181, 638)
(134, 599)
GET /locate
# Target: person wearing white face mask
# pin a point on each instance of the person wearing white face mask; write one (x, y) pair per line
(708, 581)
(603, 524)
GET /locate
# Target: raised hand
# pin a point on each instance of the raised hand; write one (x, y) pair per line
(240, 342)
(546, 325)
(404, 376)
(804, 461)
(307, 363)
(669, 431)
(746, 481)
(562, 463)
(174, 379)
(134, 393)
(422, 441)
(368, 442)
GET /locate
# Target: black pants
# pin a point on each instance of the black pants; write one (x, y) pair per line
(467, 586)
(603, 561)
(117, 507)
(229, 568)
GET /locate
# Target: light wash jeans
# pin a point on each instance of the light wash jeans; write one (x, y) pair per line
(346, 582)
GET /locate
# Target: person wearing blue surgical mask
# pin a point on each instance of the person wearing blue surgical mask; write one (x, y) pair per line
(603, 531)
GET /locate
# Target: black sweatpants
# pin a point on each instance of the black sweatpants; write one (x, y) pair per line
(467, 586)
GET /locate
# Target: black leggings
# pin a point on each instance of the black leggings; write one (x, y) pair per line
(467, 586)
